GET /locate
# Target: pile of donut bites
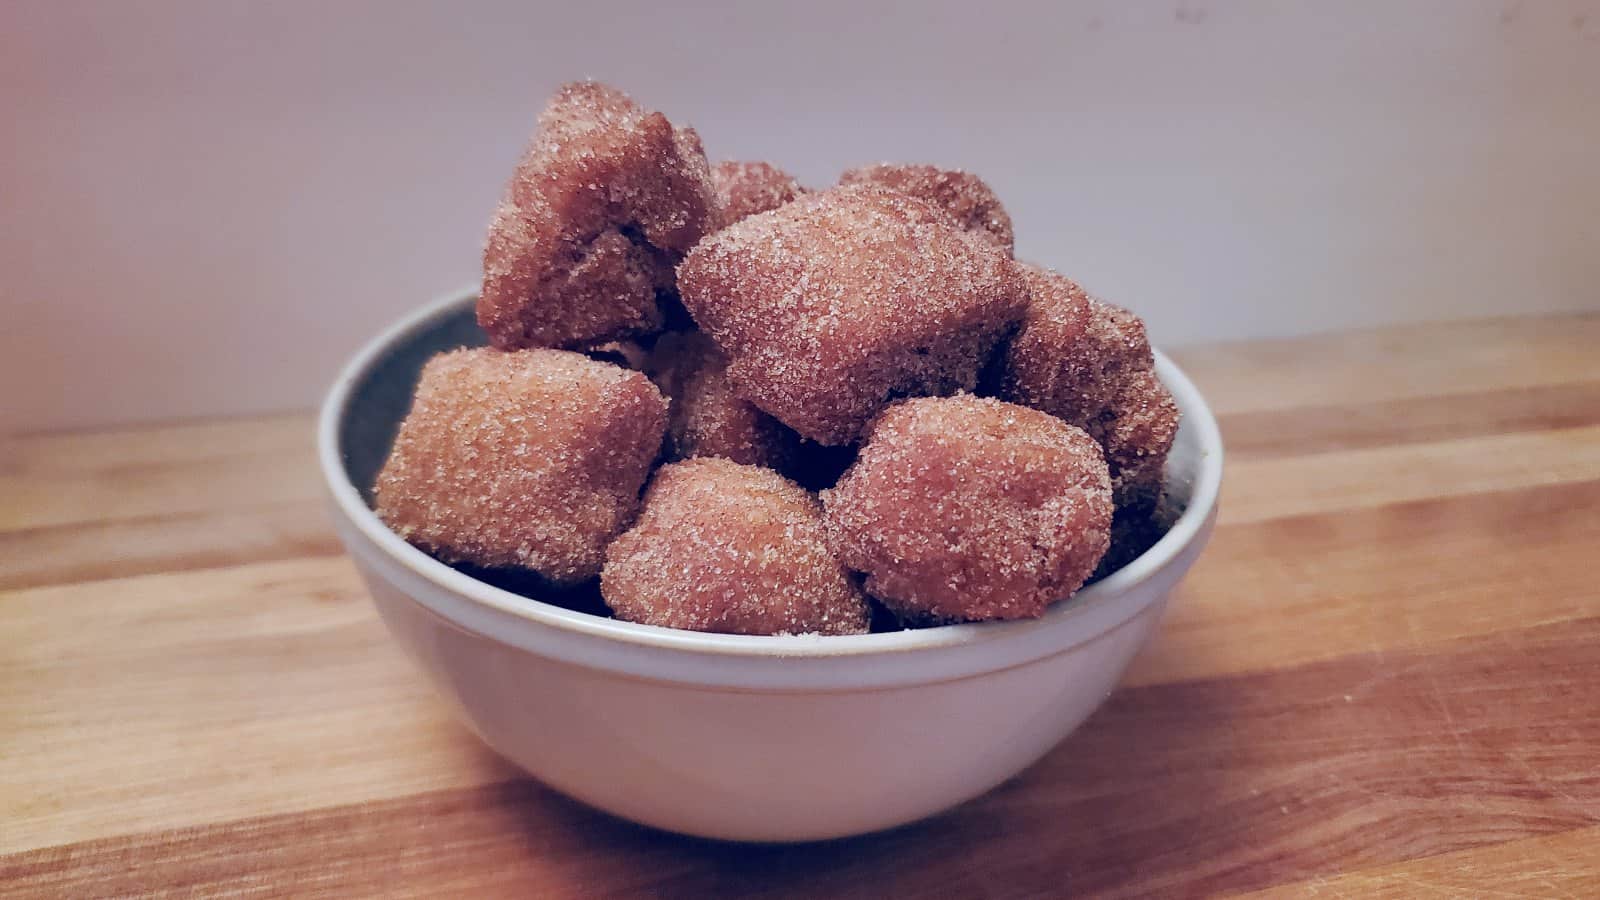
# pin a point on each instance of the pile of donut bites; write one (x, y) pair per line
(827, 399)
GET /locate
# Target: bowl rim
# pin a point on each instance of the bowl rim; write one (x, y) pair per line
(1192, 525)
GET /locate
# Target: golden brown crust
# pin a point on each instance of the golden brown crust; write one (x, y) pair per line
(1090, 363)
(833, 305)
(730, 548)
(531, 458)
(967, 508)
(605, 201)
(746, 188)
(966, 197)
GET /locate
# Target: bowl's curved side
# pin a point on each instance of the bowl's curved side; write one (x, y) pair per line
(805, 662)
(760, 765)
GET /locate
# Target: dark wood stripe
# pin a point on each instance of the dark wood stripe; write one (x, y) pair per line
(1318, 429)
(174, 542)
(1280, 488)
(1274, 594)
(1225, 784)
(1371, 365)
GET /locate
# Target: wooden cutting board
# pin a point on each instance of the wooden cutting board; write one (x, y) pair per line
(1383, 678)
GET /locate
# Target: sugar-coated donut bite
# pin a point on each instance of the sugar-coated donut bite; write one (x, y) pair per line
(1090, 363)
(707, 419)
(966, 197)
(730, 548)
(532, 458)
(603, 204)
(965, 508)
(836, 303)
(746, 188)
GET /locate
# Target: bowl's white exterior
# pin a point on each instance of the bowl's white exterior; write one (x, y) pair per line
(769, 739)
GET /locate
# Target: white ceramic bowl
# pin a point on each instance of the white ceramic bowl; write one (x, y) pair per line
(732, 736)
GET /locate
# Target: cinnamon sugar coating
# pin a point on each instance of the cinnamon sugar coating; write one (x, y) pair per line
(602, 206)
(1090, 363)
(965, 508)
(966, 197)
(730, 548)
(707, 419)
(833, 305)
(531, 458)
(746, 188)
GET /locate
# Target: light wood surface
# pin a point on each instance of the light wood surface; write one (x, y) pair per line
(1383, 678)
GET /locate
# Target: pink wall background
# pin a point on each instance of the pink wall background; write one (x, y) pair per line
(206, 206)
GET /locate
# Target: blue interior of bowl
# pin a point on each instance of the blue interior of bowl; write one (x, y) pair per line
(383, 396)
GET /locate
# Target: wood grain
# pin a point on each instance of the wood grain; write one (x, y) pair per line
(1380, 680)
(1559, 865)
(1253, 781)
(1250, 605)
(52, 480)
(1378, 476)
(90, 551)
(238, 679)
(1378, 365)
(1354, 426)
